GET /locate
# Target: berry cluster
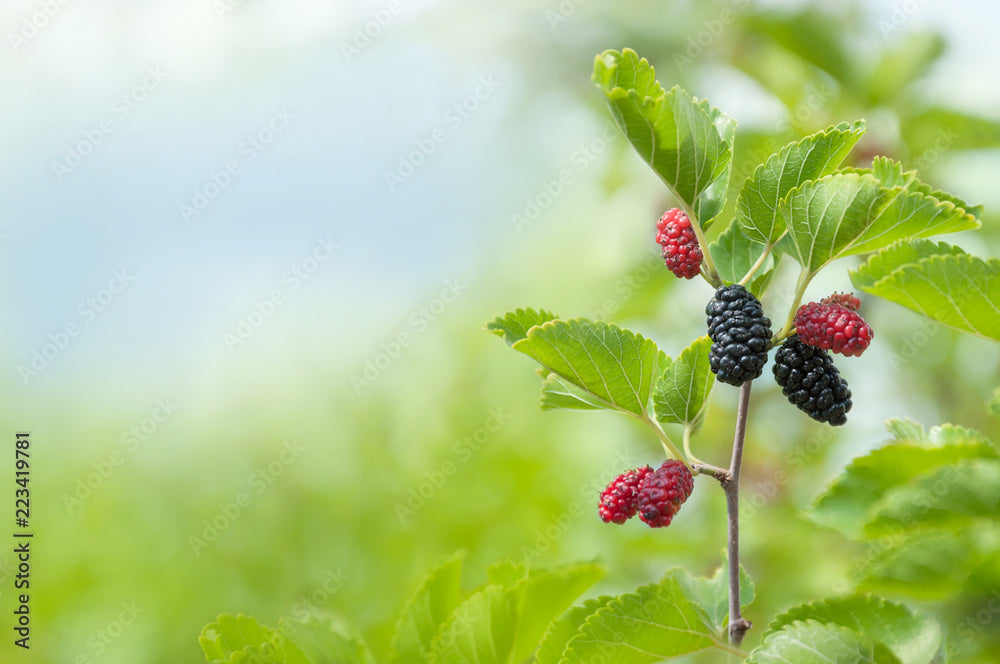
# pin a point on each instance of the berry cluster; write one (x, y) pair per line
(655, 495)
(680, 250)
(740, 333)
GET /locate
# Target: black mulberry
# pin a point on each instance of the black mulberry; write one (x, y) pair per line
(810, 381)
(740, 333)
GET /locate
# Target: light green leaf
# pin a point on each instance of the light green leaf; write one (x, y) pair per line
(949, 496)
(890, 173)
(559, 394)
(959, 290)
(318, 641)
(806, 33)
(893, 257)
(686, 142)
(734, 254)
(906, 430)
(810, 158)
(559, 633)
(846, 504)
(682, 390)
(514, 326)
(913, 638)
(426, 610)
(812, 642)
(654, 623)
(994, 405)
(612, 364)
(712, 200)
(933, 132)
(232, 639)
(846, 213)
(712, 595)
(547, 594)
(902, 63)
(482, 630)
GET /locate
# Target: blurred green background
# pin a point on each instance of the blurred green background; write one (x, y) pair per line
(249, 248)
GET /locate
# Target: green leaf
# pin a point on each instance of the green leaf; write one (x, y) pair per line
(712, 594)
(426, 610)
(895, 256)
(993, 407)
(948, 496)
(906, 430)
(614, 365)
(846, 504)
(685, 141)
(920, 564)
(481, 630)
(559, 633)
(547, 594)
(232, 639)
(890, 173)
(682, 390)
(810, 158)
(812, 642)
(913, 638)
(936, 131)
(734, 254)
(846, 213)
(559, 394)
(956, 289)
(514, 326)
(654, 623)
(318, 641)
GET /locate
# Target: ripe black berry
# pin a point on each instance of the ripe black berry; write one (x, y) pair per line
(740, 333)
(810, 381)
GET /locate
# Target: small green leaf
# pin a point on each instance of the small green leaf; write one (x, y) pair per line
(734, 254)
(234, 639)
(426, 610)
(913, 638)
(685, 141)
(810, 158)
(812, 642)
(959, 290)
(654, 623)
(713, 594)
(317, 641)
(846, 213)
(846, 504)
(614, 365)
(547, 594)
(514, 326)
(948, 496)
(682, 390)
(559, 394)
(559, 633)
(906, 430)
(481, 630)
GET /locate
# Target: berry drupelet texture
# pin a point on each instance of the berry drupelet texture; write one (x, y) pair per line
(740, 333)
(808, 378)
(663, 492)
(846, 300)
(833, 327)
(619, 500)
(679, 243)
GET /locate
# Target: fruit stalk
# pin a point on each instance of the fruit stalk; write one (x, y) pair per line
(738, 625)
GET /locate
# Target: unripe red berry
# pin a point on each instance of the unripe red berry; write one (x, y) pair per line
(619, 499)
(663, 492)
(833, 327)
(680, 249)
